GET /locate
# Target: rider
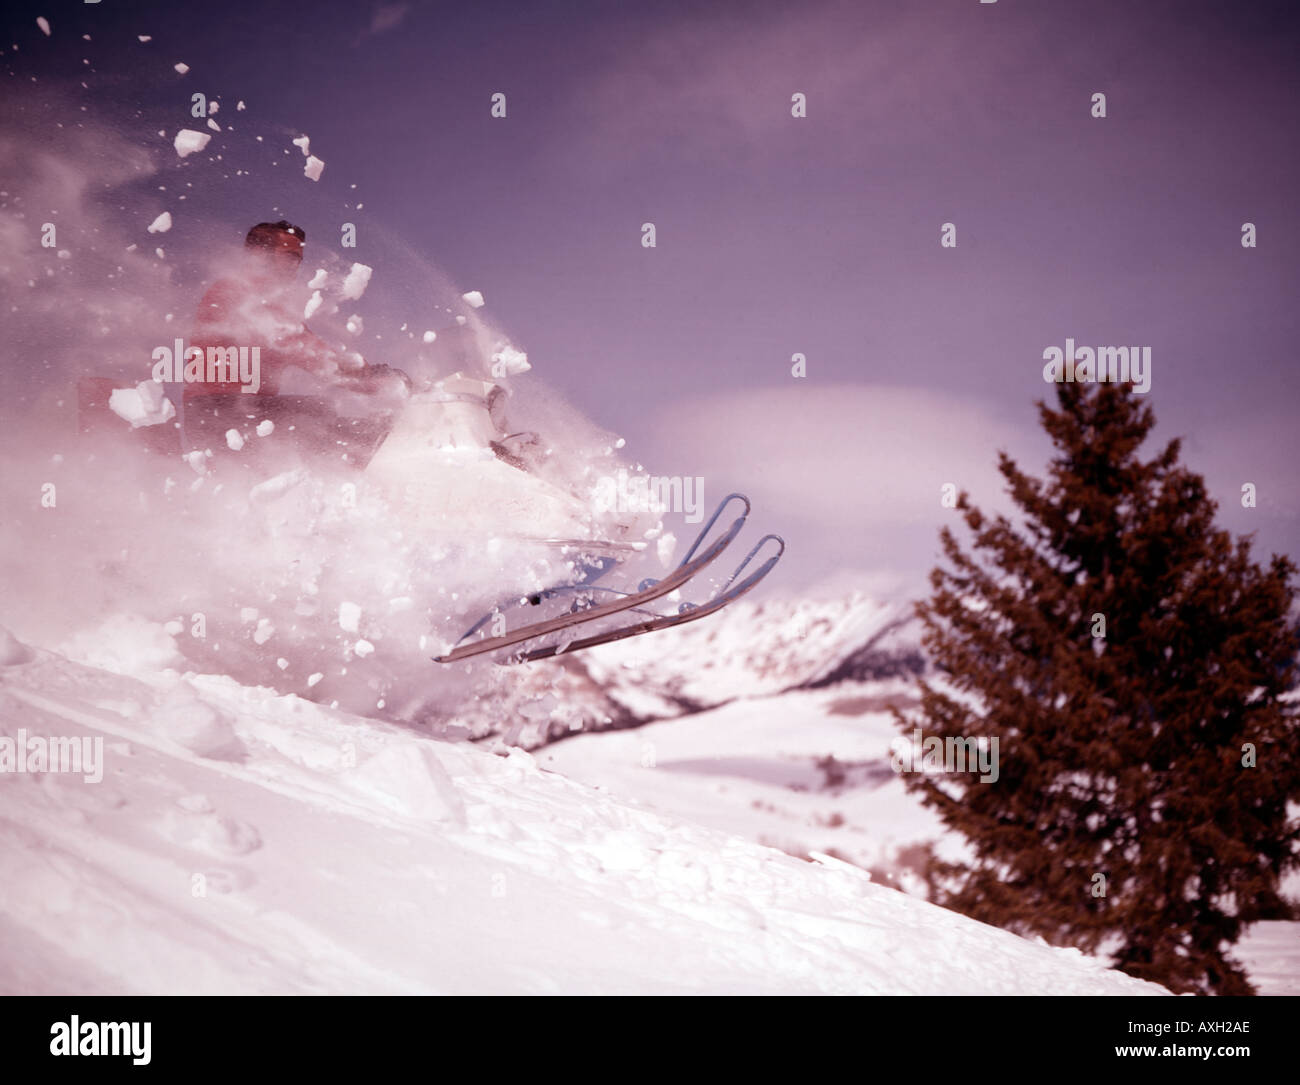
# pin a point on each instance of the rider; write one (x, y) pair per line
(256, 307)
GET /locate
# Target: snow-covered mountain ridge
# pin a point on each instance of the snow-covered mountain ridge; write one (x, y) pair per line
(751, 649)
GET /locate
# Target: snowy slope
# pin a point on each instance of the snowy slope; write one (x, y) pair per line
(807, 771)
(1270, 952)
(341, 854)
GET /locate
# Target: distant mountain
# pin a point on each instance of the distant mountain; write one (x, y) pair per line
(752, 649)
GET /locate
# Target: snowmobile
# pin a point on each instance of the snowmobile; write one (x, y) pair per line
(464, 414)
(448, 457)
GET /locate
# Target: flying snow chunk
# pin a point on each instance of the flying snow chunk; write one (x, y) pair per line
(143, 405)
(474, 298)
(357, 280)
(214, 107)
(214, 125)
(349, 617)
(508, 361)
(319, 279)
(277, 486)
(312, 170)
(363, 648)
(44, 24)
(429, 337)
(145, 37)
(303, 143)
(265, 428)
(161, 224)
(313, 303)
(239, 105)
(355, 325)
(188, 141)
(665, 547)
(233, 440)
(182, 68)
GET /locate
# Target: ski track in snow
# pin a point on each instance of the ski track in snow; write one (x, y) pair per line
(345, 855)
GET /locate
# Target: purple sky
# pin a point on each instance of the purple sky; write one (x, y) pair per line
(818, 235)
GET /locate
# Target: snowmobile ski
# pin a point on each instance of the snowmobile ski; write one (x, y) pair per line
(688, 612)
(647, 591)
(595, 568)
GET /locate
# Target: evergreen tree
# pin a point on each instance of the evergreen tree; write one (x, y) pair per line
(1132, 663)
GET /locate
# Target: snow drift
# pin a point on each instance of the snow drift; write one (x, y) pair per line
(244, 841)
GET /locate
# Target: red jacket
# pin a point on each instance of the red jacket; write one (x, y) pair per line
(241, 313)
